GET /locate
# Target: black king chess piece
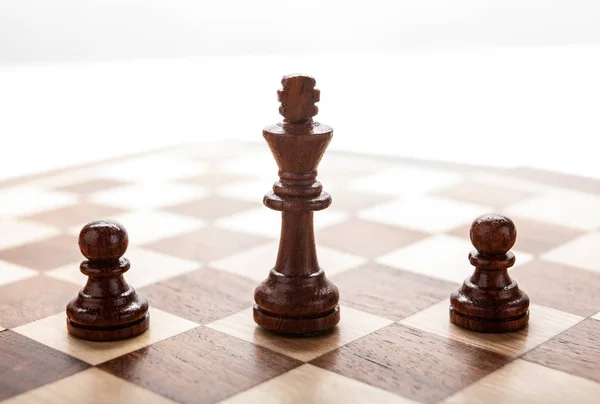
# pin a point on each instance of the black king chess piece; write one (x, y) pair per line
(297, 298)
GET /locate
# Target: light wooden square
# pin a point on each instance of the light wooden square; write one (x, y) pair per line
(18, 232)
(544, 324)
(64, 179)
(443, 257)
(310, 384)
(144, 227)
(526, 382)
(570, 209)
(425, 213)
(265, 222)
(405, 180)
(354, 324)
(12, 273)
(152, 169)
(25, 200)
(248, 191)
(148, 196)
(92, 386)
(147, 267)
(52, 331)
(256, 263)
(259, 163)
(514, 183)
(581, 252)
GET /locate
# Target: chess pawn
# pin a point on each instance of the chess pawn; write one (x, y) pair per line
(107, 308)
(490, 301)
(297, 298)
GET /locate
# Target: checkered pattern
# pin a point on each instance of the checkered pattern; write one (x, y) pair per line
(395, 241)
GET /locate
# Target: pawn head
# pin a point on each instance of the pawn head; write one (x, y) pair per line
(103, 240)
(298, 97)
(493, 234)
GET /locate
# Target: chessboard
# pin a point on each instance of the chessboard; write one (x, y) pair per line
(395, 241)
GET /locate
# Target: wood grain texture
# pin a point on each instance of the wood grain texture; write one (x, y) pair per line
(575, 351)
(310, 384)
(367, 239)
(202, 296)
(50, 331)
(26, 364)
(526, 382)
(207, 244)
(415, 364)
(490, 301)
(107, 308)
(200, 366)
(562, 287)
(92, 386)
(545, 323)
(297, 298)
(32, 299)
(355, 324)
(45, 254)
(382, 296)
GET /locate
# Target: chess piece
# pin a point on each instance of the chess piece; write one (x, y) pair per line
(297, 298)
(107, 308)
(490, 301)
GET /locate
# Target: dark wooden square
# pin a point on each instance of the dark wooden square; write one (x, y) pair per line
(575, 351)
(533, 237)
(202, 296)
(33, 299)
(494, 196)
(45, 254)
(73, 215)
(391, 293)
(561, 287)
(367, 239)
(200, 366)
(26, 364)
(207, 244)
(212, 207)
(414, 364)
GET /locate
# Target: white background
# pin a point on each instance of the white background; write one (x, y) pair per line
(482, 82)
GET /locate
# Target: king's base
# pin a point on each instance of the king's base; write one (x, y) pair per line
(489, 326)
(297, 326)
(108, 334)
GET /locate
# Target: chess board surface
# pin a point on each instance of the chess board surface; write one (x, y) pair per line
(395, 241)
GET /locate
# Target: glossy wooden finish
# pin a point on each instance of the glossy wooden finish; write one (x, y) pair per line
(107, 308)
(490, 301)
(395, 342)
(418, 365)
(297, 297)
(200, 366)
(575, 351)
(27, 364)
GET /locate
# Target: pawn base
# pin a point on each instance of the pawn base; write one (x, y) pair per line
(109, 333)
(487, 325)
(297, 326)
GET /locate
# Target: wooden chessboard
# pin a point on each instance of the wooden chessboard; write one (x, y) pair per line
(395, 241)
